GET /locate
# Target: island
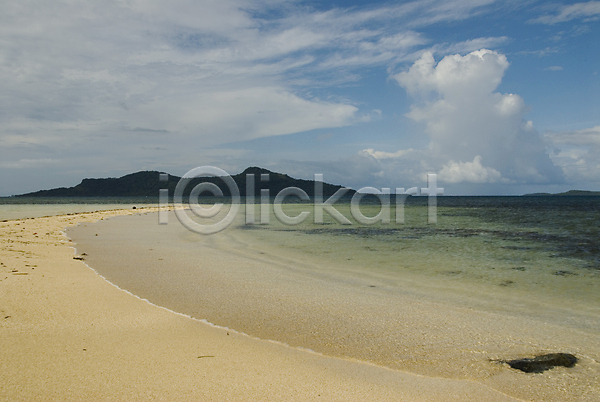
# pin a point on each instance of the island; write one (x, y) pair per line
(148, 184)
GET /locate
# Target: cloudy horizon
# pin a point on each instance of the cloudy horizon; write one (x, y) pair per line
(495, 96)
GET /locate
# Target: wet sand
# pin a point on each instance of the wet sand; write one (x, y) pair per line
(68, 334)
(230, 279)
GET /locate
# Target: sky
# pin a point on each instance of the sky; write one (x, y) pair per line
(494, 96)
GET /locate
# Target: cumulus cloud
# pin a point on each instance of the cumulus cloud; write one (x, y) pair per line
(472, 172)
(469, 124)
(455, 76)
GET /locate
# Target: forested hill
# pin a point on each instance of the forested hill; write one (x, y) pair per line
(147, 184)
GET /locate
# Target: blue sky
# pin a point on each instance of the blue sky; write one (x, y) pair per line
(496, 97)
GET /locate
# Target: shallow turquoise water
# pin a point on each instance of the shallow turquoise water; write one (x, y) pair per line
(493, 252)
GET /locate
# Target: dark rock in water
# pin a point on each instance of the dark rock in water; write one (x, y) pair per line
(134, 207)
(542, 363)
(564, 273)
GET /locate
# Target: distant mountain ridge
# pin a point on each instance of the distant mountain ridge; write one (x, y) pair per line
(566, 193)
(147, 184)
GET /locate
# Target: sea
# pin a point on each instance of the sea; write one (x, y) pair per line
(495, 278)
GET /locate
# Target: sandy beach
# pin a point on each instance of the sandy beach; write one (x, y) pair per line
(67, 334)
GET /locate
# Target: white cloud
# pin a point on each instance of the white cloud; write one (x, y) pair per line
(577, 153)
(585, 137)
(540, 53)
(238, 115)
(589, 11)
(466, 121)
(372, 52)
(472, 172)
(455, 76)
(450, 10)
(554, 68)
(386, 155)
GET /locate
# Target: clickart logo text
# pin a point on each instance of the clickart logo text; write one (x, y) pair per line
(320, 205)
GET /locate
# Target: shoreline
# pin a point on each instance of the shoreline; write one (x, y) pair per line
(69, 334)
